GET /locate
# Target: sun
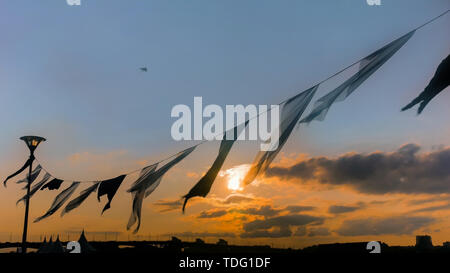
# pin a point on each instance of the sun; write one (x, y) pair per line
(234, 182)
(235, 176)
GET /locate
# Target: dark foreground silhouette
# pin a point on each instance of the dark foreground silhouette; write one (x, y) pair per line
(177, 246)
(438, 83)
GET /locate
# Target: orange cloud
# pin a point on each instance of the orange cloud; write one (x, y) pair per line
(192, 175)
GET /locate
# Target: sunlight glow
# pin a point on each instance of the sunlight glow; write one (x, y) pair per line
(235, 176)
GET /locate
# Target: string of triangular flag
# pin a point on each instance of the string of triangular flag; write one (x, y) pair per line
(150, 176)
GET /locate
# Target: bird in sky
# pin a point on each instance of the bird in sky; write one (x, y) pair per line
(143, 69)
(437, 84)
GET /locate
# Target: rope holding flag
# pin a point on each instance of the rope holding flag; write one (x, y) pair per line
(367, 67)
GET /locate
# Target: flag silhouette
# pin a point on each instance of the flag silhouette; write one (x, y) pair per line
(438, 83)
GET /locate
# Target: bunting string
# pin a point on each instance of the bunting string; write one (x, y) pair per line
(269, 109)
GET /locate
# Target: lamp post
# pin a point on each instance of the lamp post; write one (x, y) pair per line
(32, 143)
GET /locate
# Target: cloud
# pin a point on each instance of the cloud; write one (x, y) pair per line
(401, 171)
(320, 231)
(300, 231)
(342, 209)
(433, 208)
(430, 199)
(279, 226)
(276, 233)
(268, 210)
(297, 209)
(378, 226)
(265, 211)
(267, 221)
(212, 214)
(237, 198)
(168, 205)
(232, 199)
(202, 234)
(192, 175)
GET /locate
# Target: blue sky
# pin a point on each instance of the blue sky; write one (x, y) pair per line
(71, 73)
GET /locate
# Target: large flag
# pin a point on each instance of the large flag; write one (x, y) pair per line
(291, 112)
(143, 180)
(148, 182)
(35, 187)
(437, 84)
(54, 184)
(138, 193)
(76, 202)
(26, 165)
(109, 188)
(34, 174)
(367, 67)
(60, 199)
(204, 185)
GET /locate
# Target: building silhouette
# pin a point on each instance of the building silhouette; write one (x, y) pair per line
(423, 242)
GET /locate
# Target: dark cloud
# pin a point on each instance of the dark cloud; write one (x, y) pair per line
(296, 209)
(320, 231)
(402, 171)
(266, 211)
(379, 202)
(202, 234)
(212, 214)
(435, 198)
(300, 231)
(168, 205)
(342, 209)
(173, 205)
(279, 226)
(278, 232)
(378, 226)
(433, 208)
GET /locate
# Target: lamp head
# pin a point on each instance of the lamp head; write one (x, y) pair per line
(32, 141)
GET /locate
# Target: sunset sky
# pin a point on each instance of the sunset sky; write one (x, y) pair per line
(367, 172)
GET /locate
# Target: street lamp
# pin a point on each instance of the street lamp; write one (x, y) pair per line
(32, 143)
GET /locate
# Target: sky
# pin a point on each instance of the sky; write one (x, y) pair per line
(71, 74)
